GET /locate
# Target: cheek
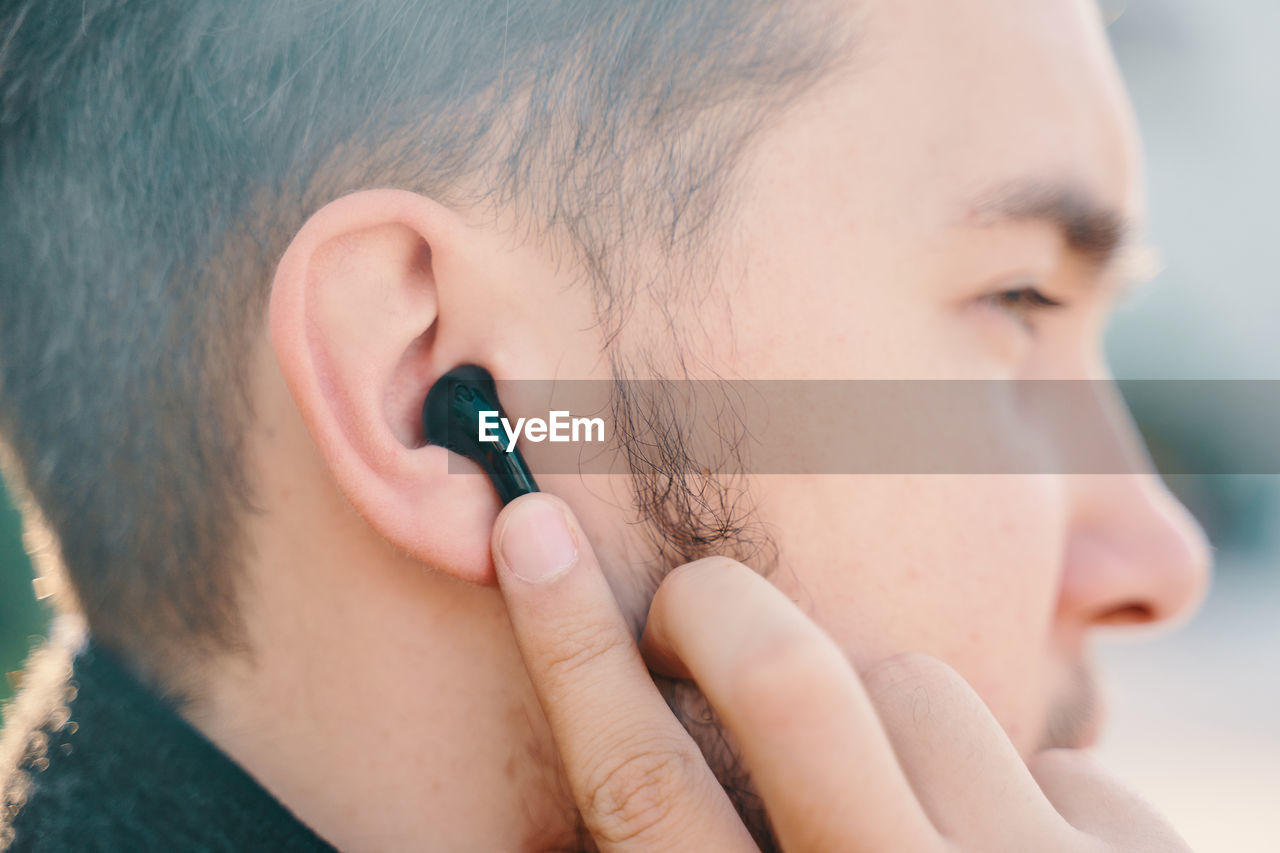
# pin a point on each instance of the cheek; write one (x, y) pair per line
(962, 568)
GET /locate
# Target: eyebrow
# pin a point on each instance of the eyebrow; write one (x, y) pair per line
(1091, 229)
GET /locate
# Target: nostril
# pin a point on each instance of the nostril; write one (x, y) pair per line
(1129, 614)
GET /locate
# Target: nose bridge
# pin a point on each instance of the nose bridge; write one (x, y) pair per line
(1135, 554)
(1089, 427)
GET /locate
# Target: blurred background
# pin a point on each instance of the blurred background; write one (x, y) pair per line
(1195, 715)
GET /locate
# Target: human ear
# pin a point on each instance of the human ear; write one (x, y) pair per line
(379, 294)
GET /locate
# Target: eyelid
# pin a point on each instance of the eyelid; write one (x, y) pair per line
(1021, 303)
(1034, 296)
(1030, 296)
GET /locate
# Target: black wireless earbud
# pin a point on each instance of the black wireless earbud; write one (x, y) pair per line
(451, 419)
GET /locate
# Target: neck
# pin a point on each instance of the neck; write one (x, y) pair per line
(386, 705)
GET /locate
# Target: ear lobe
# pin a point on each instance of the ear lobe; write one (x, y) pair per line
(355, 325)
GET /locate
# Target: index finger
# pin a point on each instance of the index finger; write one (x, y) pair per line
(636, 775)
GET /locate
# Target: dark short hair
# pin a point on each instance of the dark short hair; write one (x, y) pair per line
(158, 156)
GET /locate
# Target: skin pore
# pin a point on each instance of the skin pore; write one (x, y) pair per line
(385, 701)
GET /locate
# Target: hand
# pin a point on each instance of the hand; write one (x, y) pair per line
(904, 757)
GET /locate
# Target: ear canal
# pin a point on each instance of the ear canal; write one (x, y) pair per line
(451, 418)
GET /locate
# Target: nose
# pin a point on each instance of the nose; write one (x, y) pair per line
(1135, 555)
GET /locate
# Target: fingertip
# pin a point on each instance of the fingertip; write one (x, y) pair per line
(511, 509)
(715, 578)
(535, 540)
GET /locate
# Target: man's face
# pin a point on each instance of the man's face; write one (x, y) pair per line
(872, 243)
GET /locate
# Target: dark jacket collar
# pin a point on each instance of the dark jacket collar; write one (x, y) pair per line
(112, 766)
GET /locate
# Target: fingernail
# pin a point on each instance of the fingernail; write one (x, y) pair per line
(536, 543)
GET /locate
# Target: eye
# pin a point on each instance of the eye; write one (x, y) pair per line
(1022, 304)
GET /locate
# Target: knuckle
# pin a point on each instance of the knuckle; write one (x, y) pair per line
(633, 794)
(579, 648)
(907, 673)
(915, 684)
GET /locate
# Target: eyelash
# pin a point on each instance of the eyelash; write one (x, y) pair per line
(1022, 303)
